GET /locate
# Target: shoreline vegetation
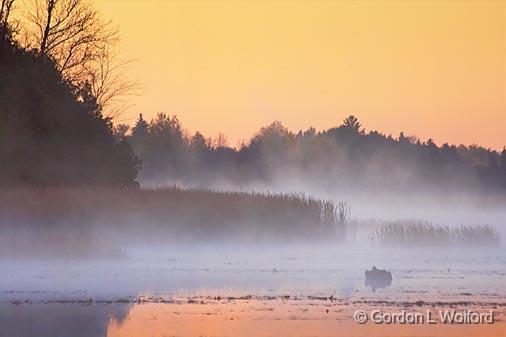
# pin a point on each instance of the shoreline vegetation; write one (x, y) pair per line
(88, 221)
(100, 222)
(421, 233)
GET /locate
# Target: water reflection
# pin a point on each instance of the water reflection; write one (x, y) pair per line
(218, 317)
(247, 318)
(59, 320)
(378, 278)
(275, 282)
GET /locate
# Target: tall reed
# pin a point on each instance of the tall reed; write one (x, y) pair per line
(424, 233)
(96, 216)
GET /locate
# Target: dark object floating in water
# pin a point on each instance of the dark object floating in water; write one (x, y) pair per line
(378, 278)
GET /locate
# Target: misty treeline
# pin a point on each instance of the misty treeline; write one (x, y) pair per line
(58, 81)
(340, 158)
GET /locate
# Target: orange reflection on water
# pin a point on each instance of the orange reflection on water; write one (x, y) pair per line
(275, 318)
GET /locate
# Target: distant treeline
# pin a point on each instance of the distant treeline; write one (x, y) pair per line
(345, 157)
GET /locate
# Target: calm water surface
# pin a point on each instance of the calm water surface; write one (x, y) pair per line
(289, 290)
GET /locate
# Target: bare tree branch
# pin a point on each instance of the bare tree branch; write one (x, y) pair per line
(82, 45)
(5, 11)
(109, 85)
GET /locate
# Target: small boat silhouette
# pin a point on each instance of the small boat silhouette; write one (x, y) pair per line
(378, 278)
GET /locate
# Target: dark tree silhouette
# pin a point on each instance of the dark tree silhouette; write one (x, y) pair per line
(5, 12)
(52, 133)
(198, 143)
(140, 130)
(343, 157)
(82, 46)
(351, 123)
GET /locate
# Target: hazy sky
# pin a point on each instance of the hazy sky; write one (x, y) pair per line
(433, 69)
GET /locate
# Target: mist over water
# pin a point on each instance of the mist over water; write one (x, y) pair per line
(124, 266)
(89, 293)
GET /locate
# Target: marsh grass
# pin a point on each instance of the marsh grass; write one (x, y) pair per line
(99, 220)
(416, 233)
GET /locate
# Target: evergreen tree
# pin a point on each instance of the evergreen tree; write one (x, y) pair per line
(140, 130)
(351, 123)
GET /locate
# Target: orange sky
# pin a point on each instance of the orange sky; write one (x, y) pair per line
(433, 69)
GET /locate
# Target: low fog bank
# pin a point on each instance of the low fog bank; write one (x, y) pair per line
(184, 271)
(106, 222)
(452, 208)
(102, 221)
(64, 298)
